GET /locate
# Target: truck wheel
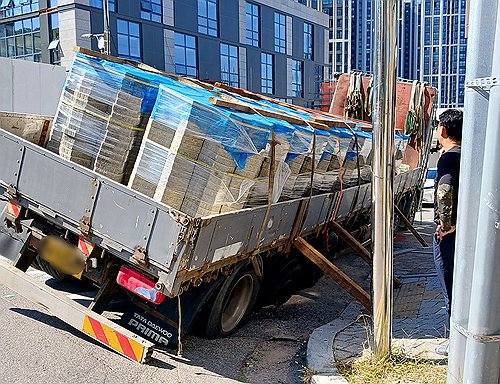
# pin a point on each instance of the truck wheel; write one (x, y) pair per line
(233, 303)
(42, 265)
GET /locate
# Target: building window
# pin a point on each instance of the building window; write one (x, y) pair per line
(98, 4)
(21, 39)
(229, 65)
(297, 78)
(279, 32)
(252, 24)
(308, 41)
(129, 39)
(266, 65)
(54, 46)
(185, 55)
(16, 7)
(151, 10)
(207, 17)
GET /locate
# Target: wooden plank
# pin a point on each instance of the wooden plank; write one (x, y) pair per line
(264, 112)
(352, 242)
(353, 288)
(316, 113)
(332, 123)
(43, 134)
(357, 247)
(119, 60)
(412, 229)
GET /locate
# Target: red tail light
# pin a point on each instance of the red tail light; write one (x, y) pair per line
(139, 285)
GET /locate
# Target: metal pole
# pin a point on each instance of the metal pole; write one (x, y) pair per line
(107, 42)
(482, 355)
(383, 171)
(479, 58)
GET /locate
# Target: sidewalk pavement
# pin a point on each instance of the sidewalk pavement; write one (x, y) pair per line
(419, 316)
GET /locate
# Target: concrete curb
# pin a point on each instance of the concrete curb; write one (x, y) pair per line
(320, 346)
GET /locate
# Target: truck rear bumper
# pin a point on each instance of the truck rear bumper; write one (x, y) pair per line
(79, 317)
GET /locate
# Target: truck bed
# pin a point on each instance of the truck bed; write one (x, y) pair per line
(179, 249)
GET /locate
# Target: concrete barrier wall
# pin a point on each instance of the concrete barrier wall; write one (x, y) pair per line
(29, 87)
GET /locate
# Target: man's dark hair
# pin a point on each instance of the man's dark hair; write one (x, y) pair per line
(452, 120)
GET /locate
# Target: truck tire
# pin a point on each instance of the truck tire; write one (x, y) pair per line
(233, 302)
(42, 265)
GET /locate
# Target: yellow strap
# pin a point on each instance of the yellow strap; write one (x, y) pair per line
(107, 119)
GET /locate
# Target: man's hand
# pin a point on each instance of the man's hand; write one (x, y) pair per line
(441, 233)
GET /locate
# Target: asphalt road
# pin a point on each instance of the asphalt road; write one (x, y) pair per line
(270, 348)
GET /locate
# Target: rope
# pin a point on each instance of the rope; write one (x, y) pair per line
(341, 192)
(353, 106)
(369, 98)
(414, 121)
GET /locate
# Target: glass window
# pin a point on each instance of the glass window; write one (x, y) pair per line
(17, 7)
(297, 79)
(308, 41)
(252, 24)
(98, 4)
(129, 39)
(21, 39)
(279, 32)
(54, 48)
(266, 65)
(207, 17)
(151, 10)
(229, 65)
(185, 55)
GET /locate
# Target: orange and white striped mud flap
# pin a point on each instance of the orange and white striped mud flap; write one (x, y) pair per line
(85, 246)
(119, 339)
(113, 339)
(13, 209)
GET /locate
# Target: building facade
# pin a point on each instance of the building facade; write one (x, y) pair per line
(275, 47)
(431, 42)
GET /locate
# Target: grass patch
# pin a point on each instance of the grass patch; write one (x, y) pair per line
(307, 374)
(395, 367)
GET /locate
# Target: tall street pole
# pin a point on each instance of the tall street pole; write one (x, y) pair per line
(384, 99)
(480, 47)
(482, 354)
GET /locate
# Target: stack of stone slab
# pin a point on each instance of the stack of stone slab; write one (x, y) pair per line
(179, 164)
(121, 131)
(359, 155)
(301, 167)
(260, 191)
(100, 119)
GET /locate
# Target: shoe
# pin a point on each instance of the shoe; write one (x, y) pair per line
(442, 349)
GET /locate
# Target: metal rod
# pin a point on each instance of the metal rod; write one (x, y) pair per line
(481, 364)
(107, 40)
(480, 46)
(383, 171)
